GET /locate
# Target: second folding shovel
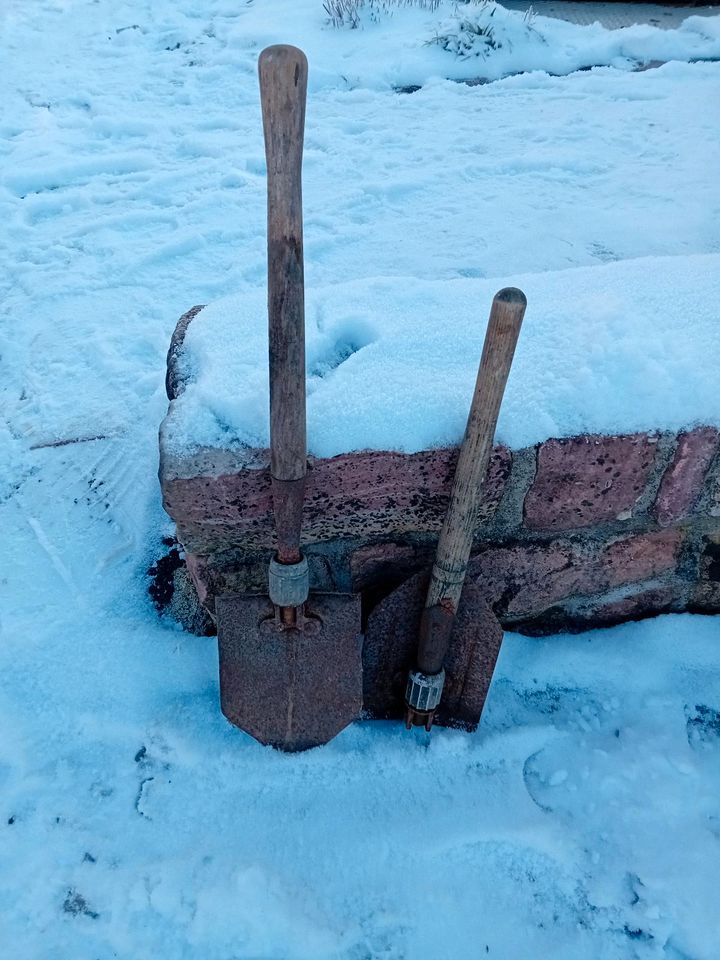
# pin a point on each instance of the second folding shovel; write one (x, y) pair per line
(409, 633)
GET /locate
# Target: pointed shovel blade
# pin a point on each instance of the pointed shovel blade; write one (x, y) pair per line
(292, 689)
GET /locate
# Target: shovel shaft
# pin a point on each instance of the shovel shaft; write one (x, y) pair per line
(283, 89)
(457, 533)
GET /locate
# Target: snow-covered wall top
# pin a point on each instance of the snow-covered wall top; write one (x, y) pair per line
(615, 348)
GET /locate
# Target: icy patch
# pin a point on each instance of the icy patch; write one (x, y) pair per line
(616, 348)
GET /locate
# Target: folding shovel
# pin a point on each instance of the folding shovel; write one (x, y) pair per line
(408, 636)
(290, 663)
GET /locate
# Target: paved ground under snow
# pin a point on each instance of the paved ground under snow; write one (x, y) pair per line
(615, 15)
(583, 820)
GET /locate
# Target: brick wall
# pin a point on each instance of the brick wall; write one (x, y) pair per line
(571, 534)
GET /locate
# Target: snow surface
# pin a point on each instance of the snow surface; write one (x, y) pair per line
(615, 349)
(609, 349)
(582, 821)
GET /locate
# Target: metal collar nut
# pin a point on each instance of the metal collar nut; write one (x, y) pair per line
(288, 583)
(424, 690)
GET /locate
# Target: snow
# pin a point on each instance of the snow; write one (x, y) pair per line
(397, 46)
(581, 820)
(623, 347)
(134, 822)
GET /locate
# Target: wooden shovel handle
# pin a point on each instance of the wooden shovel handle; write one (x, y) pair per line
(283, 74)
(456, 537)
(283, 90)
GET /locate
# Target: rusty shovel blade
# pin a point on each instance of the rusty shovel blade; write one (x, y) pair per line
(290, 688)
(391, 643)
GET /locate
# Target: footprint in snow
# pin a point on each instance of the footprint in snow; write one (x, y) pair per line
(76, 905)
(151, 771)
(537, 781)
(568, 708)
(703, 726)
(349, 337)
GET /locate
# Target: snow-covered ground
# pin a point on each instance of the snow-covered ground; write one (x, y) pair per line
(583, 819)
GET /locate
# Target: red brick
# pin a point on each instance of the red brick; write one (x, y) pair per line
(357, 494)
(377, 561)
(174, 380)
(525, 579)
(640, 557)
(197, 570)
(683, 480)
(587, 480)
(707, 591)
(641, 604)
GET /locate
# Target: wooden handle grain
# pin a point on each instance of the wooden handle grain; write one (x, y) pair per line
(456, 537)
(283, 74)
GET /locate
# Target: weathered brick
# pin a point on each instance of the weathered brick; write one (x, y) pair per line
(519, 580)
(197, 567)
(644, 603)
(185, 606)
(244, 572)
(683, 480)
(174, 380)
(212, 576)
(640, 557)
(357, 494)
(587, 480)
(376, 562)
(524, 579)
(710, 501)
(706, 595)
(523, 582)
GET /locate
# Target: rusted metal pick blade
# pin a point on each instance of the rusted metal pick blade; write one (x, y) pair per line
(292, 689)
